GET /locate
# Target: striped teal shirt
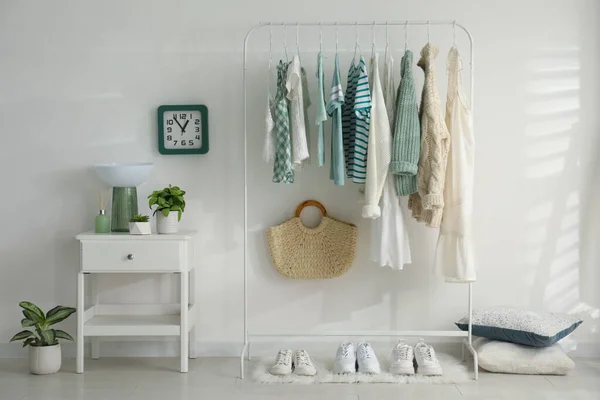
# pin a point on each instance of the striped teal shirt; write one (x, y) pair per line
(362, 109)
(349, 118)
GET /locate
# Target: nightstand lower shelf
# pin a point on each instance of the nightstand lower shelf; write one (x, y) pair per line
(132, 325)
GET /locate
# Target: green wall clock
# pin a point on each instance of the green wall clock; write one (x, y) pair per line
(183, 129)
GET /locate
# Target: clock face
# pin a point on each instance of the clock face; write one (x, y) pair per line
(182, 129)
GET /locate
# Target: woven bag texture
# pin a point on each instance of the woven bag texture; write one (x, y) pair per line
(326, 251)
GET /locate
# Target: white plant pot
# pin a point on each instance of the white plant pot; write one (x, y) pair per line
(168, 224)
(140, 228)
(44, 360)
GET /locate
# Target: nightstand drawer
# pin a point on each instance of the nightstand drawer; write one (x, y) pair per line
(132, 256)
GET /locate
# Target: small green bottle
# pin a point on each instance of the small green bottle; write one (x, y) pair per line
(102, 223)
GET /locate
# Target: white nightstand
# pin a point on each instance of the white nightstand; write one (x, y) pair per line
(115, 253)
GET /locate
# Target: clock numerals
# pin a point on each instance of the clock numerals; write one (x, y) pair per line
(183, 130)
(181, 142)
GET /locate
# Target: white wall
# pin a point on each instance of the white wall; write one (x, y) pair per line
(80, 83)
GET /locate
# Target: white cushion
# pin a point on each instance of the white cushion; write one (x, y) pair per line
(511, 358)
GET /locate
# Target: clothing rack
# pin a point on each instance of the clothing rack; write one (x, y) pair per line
(468, 336)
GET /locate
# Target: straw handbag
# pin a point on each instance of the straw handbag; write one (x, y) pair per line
(326, 251)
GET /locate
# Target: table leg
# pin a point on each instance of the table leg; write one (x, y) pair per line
(192, 294)
(80, 311)
(184, 334)
(96, 300)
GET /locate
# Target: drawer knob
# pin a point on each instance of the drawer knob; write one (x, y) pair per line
(130, 256)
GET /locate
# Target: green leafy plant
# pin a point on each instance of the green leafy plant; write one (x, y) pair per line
(139, 218)
(42, 335)
(167, 200)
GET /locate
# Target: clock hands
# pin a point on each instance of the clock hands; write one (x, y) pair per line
(175, 118)
(184, 125)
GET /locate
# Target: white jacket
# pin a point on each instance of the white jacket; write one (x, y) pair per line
(379, 151)
(455, 258)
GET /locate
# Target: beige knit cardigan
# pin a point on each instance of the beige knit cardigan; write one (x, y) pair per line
(428, 203)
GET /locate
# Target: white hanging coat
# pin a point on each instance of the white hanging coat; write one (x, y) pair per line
(454, 257)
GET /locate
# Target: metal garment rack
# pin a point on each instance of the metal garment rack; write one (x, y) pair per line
(468, 336)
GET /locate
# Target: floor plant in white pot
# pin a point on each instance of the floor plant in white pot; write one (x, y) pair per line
(170, 204)
(140, 225)
(44, 350)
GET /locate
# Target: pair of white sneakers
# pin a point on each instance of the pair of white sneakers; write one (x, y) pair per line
(421, 359)
(298, 361)
(348, 360)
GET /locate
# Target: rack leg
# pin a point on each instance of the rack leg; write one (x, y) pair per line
(475, 360)
(248, 356)
(242, 359)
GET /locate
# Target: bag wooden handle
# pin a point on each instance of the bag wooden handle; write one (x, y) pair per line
(309, 203)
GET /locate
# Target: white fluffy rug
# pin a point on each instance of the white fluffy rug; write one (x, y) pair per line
(455, 371)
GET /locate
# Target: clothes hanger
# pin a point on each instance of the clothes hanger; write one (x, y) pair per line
(309, 203)
(298, 41)
(337, 32)
(373, 43)
(269, 79)
(428, 32)
(387, 41)
(285, 42)
(356, 45)
(320, 37)
(406, 36)
(454, 34)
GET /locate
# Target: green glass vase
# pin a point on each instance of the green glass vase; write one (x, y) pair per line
(124, 207)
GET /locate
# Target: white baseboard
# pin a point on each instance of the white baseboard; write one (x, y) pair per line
(170, 348)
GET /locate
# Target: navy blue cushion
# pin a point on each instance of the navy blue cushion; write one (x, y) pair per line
(520, 326)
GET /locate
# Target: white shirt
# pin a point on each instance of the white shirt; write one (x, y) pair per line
(389, 87)
(297, 120)
(379, 151)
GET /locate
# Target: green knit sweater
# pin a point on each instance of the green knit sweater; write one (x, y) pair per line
(407, 132)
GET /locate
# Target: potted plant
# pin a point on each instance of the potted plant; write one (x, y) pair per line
(140, 225)
(44, 350)
(170, 204)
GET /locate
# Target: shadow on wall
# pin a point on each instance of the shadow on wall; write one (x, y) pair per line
(555, 181)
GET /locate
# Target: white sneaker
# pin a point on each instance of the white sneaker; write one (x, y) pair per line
(427, 362)
(345, 359)
(367, 360)
(302, 364)
(402, 359)
(283, 363)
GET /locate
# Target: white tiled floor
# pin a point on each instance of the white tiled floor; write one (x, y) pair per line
(216, 378)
